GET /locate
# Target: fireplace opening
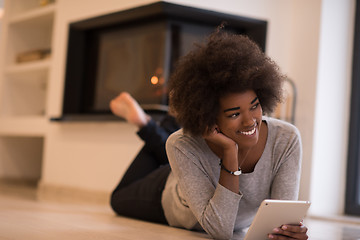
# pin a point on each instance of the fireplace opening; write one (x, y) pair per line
(135, 51)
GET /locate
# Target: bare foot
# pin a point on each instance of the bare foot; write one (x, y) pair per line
(125, 106)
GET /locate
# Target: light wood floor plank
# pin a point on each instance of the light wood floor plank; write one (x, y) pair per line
(24, 217)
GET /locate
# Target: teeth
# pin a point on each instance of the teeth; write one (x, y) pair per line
(249, 132)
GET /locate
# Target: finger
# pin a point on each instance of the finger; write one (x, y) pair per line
(295, 228)
(210, 132)
(286, 237)
(284, 233)
(279, 237)
(215, 128)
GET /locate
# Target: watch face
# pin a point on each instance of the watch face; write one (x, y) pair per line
(237, 173)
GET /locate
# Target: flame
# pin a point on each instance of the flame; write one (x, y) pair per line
(154, 80)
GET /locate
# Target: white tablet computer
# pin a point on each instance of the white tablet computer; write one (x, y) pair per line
(274, 213)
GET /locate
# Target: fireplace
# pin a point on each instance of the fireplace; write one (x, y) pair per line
(135, 50)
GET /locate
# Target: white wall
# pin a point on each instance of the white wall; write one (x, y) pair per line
(93, 156)
(332, 107)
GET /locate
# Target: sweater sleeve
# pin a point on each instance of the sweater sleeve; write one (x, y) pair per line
(214, 206)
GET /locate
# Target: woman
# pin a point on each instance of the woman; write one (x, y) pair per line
(227, 157)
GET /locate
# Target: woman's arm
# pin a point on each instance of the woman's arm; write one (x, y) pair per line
(214, 206)
(227, 150)
(286, 186)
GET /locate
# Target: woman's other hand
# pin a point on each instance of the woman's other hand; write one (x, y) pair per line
(216, 137)
(287, 231)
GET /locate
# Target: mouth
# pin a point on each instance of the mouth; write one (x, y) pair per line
(250, 132)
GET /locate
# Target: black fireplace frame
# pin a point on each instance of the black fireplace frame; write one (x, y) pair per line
(77, 92)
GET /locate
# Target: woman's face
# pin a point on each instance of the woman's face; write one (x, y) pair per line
(240, 118)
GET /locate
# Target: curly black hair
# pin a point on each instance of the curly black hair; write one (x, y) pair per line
(225, 63)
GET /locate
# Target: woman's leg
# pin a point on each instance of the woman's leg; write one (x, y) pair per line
(154, 135)
(150, 157)
(142, 199)
(143, 164)
(138, 194)
(126, 107)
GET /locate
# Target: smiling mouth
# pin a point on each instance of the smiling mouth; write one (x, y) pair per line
(251, 132)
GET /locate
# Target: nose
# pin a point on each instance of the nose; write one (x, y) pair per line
(248, 120)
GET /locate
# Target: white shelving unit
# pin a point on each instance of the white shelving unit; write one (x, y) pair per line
(26, 26)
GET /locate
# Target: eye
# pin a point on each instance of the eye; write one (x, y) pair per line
(255, 106)
(234, 115)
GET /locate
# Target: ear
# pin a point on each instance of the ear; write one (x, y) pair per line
(217, 128)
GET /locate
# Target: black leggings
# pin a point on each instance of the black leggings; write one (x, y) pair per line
(139, 193)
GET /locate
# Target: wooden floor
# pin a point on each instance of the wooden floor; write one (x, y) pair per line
(24, 217)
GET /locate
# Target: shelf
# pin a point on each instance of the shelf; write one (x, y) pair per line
(28, 30)
(21, 68)
(45, 13)
(25, 94)
(25, 126)
(24, 77)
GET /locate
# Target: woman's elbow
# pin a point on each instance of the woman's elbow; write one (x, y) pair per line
(222, 235)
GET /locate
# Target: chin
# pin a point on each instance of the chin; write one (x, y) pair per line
(248, 141)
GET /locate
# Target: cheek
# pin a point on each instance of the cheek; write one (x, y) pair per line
(259, 120)
(222, 124)
(260, 111)
(258, 114)
(228, 127)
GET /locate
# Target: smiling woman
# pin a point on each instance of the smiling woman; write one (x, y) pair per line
(240, 118)
(228, 157)
(214, 71)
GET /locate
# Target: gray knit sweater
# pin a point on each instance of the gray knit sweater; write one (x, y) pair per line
(193, 198)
